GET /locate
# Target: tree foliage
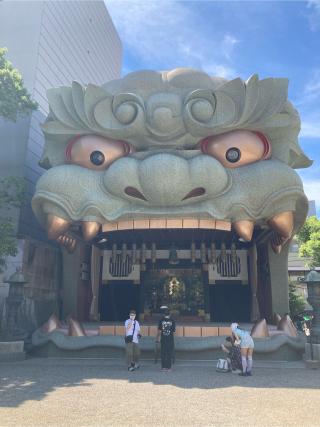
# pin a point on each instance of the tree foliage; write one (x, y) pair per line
(309, 241)
(296, 302)
(15, 101)
(14, 97)
(12, 195)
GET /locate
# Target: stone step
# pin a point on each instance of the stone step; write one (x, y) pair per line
(12, 351)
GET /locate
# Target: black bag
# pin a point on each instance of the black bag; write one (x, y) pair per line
(129, 338)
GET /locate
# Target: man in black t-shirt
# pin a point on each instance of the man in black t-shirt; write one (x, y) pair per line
(166, 329)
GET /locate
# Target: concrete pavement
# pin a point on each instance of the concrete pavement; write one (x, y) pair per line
(101, 392)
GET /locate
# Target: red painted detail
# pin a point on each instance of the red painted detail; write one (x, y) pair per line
(266, 143)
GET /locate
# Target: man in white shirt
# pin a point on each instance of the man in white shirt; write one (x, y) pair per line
(132, 335)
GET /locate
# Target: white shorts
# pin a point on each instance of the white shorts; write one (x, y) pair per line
(247, 342)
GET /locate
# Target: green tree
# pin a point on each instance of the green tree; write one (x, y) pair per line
(14, 102)
(12, 195)
(309, 242)
(296, 302)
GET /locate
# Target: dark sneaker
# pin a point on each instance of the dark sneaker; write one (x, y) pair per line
(131, 368)
(242, 374)
(249, 374)
(136, 366)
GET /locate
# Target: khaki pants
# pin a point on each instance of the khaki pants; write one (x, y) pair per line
(133, 353)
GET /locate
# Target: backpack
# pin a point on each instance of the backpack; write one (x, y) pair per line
(222, 366)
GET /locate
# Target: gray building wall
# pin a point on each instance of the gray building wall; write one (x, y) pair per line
(51, 43)
(312, 211)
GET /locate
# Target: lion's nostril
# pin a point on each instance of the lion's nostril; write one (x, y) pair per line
(134, 192)
(199, 191)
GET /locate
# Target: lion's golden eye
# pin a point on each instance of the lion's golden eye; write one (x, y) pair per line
(95, 152)
(237, 148)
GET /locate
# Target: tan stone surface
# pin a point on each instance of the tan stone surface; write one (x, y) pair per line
(153, 330)
(224, 331)
(192, 331)
(179, 331)
(174, 223)
(141, 223)
(207, 223)
(210, 331)
(107, 330)
(125, 225)
(119, 330)
(190, 223)
(158, 223)
(144, 330)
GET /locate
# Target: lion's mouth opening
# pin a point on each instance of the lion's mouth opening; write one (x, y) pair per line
(58, 229)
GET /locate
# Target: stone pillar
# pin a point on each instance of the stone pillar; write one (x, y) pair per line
(278, 267)
(70, 279)
(253, 280)
(95, 282)
(313, 344)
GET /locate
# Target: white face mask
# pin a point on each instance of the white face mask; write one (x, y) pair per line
(132, 316)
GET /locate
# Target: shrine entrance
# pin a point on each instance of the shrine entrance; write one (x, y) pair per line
(181, 289)
(200, 276)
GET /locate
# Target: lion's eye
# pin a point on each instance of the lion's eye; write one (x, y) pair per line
(233, 155)
(95, 152)
(237, 148)
(97, 158)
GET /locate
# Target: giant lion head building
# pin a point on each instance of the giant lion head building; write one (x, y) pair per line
(183, 186)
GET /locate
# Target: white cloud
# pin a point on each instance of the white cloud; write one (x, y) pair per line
(313, 86)
(310, 128)
(309, 106)
(228, 44)
(311, 90)
(314, 15)
(166, 32)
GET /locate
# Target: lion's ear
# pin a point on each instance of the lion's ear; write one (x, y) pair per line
(298, 160)
(53, 153)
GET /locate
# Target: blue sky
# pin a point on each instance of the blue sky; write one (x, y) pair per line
(233, 39)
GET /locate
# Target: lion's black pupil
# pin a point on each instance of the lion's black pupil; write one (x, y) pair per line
(97, 158)
(233, 155)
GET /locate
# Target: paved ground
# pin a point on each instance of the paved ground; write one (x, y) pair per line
(50, 392)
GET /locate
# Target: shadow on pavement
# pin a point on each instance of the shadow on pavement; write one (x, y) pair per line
(34, 378)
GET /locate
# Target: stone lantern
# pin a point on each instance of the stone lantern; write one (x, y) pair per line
(15, 297)
(313, 344)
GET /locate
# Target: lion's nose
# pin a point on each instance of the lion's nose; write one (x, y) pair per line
(168, 179)
(165, 179)
(134, 192)
(196, 192)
